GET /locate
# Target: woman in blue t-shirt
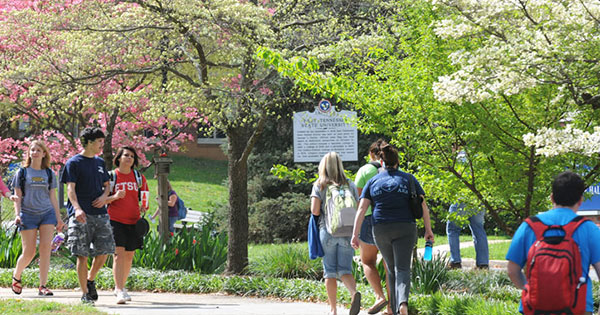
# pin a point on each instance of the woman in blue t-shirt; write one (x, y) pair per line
(36, 209)
(394, 224)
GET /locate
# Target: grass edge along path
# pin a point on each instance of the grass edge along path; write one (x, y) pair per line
(178, 281)
(26, 306)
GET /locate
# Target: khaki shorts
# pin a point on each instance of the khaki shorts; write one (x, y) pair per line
(92, 238)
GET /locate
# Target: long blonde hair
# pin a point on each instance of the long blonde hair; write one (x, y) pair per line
(45, 160)
(331, 171)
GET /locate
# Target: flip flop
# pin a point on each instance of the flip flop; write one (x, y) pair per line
(16, 286)
(355, 304)
(377, 307)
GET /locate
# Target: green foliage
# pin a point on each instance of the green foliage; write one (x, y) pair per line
(200, 250)
(488, 283)
(283, 219)
(459, 304)
(286, 261)
(428, 276)
(296, 175)
(10, 248)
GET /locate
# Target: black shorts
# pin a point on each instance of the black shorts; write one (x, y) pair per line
(125, 236)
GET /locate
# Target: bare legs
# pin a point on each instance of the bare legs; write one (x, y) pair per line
(82, 270)
(331, 286)
(368, 257)
(122, 266)
(28, 240)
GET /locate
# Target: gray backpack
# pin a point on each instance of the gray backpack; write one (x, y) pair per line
(340, 205)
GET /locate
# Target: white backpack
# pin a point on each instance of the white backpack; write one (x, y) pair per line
(340, 205)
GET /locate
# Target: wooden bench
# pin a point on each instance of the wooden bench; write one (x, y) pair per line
(193, 218)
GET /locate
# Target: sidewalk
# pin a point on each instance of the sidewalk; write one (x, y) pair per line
(148, 303)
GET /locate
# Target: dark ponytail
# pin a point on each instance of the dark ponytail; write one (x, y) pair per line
(388, 154)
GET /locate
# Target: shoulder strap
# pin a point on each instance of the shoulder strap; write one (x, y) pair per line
(22, 178)
(138, 179)
(49, 173)
(573, 225)
(412, 190)
(376, 164)
(539, 228)
(112, 179)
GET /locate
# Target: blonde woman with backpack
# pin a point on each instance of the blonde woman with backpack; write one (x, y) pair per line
(36, 209)
(334, 194)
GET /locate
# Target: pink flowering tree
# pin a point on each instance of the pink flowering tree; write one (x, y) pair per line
(76, 61)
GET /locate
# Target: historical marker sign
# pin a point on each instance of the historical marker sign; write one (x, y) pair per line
(325, 130)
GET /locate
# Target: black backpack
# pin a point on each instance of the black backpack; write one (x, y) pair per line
(23, 176)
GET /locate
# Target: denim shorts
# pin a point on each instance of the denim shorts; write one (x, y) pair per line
(31, 221)
(338, 255)
(366, 231)
(92, 238)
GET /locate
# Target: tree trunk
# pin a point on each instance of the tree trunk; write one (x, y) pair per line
(237, 254)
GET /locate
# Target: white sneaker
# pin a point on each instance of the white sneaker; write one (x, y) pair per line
(126, 295)
(121, 297)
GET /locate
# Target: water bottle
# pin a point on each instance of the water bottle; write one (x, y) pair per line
(57, 241)
(428, 250)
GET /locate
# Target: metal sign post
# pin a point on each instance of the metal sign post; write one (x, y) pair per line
(162, 167)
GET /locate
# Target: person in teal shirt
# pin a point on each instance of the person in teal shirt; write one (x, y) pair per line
(567, 196)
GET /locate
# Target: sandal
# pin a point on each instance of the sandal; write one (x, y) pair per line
(43, 291)
(376, 308)
(16, 286)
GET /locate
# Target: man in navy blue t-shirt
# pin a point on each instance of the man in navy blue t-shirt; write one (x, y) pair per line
(90, 232)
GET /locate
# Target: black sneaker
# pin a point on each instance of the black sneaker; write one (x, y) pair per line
(91, 286)
(454, 265)
(87, 299)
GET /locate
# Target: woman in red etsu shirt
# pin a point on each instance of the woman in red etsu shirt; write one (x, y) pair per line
(124, 211)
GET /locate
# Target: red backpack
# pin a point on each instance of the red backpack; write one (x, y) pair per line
(555, 280)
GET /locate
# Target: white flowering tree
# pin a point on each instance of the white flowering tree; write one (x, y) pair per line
(525, 44)
(466, 145)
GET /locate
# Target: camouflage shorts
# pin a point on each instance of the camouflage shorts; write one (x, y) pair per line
(92, 238)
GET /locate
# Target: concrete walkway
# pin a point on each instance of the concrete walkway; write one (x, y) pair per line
(147, 303)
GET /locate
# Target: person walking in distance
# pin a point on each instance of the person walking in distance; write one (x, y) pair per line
(89, 233)
(476, 219)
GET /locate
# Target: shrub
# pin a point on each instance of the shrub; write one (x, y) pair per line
(201, 250)
(10, 248)
(428, 276)
(459, 304)
(286, 261)
(486, 282)
(284, 219)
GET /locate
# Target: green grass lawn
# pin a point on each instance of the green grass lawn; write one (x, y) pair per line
(497, 251)
(258, 250)
(199, 182)
(21, 306)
